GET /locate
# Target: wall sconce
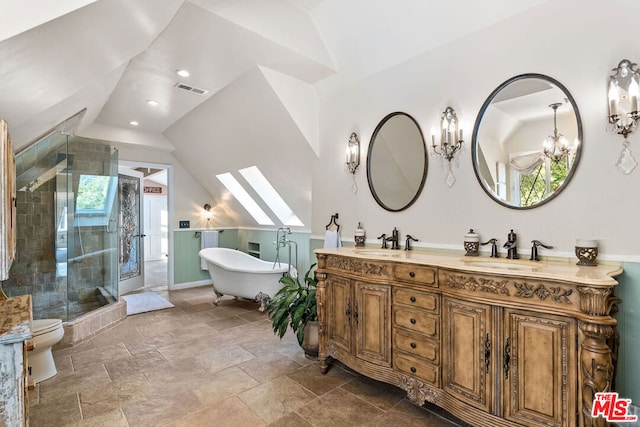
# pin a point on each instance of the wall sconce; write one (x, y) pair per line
(624, 85)
(353, 153)
(353, 158)
(450, 141)
(207, 213)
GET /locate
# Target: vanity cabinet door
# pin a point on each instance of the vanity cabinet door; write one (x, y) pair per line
(339, 312)
(373, 323)
(539, 371)
(466, 353)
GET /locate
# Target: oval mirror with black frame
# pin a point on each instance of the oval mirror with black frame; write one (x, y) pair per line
(397, 162)
(526, 141)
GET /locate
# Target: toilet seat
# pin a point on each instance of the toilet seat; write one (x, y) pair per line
(43, 326)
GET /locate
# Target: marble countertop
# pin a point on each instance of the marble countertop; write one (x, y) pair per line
(15, 319)
(601, 275)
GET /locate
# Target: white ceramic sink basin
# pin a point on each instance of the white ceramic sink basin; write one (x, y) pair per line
(504, 265)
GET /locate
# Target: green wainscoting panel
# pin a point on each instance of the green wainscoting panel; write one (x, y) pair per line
(261, 242)
(228, 238)
(628, 316)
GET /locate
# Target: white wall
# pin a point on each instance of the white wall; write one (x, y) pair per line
(188, 195)
(576, 43)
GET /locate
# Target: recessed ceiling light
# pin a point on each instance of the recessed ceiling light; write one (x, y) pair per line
(153, 102)
(133, 123)
(182, 73)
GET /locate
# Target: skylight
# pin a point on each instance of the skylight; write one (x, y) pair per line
(270, 196)
(244, 198)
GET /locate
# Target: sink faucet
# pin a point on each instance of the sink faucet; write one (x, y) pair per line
(394, 239)
(494, 247)
(511, 247)
(534, 249)
(384, 240)
(407, 245)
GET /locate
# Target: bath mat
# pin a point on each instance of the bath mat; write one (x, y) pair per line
(146, 301)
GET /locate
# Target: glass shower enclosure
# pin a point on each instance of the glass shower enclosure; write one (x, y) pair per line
(67, 226)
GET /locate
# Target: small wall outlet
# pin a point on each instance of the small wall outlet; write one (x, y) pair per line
(185, 224)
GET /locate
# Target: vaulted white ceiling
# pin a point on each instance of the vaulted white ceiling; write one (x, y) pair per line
(256, 59)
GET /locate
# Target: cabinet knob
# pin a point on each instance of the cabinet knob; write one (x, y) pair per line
(412, 299)
(413, 345)
(413, 369)
(413, 321)
(412, 274)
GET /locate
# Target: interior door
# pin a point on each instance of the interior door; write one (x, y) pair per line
(131, 253)
(155, 228)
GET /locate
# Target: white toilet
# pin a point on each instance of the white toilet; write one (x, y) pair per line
(46, 333)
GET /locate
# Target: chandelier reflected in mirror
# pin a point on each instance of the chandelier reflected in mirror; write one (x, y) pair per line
(555, 146)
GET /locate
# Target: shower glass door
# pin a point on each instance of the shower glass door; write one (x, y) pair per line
(93, 215)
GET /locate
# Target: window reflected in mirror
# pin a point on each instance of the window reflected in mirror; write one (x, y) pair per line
(526, 141)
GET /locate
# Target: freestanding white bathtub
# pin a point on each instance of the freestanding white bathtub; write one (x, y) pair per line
(241, 275)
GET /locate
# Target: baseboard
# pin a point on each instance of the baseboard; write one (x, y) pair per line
(187, 285)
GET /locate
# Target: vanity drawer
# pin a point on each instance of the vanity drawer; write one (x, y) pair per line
(423, 300)
(416, 345)
(413, 366)
(415, 274)
(417, 321)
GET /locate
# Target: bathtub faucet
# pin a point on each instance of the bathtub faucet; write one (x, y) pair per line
(281, 237)
(281, 242)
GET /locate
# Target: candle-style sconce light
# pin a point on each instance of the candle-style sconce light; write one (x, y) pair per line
(207, 213)
(623, 92)
(353, 158)
(450, 142)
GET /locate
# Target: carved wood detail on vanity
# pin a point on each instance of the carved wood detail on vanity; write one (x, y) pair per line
(417, 392)
(358, 267)
(527, 347)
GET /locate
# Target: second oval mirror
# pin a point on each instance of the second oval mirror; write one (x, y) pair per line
(526, 141)
(396, 162)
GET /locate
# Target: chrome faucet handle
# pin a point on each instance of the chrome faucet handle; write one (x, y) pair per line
(407, 245)
(384, 240)
(494, 247)
(534, 249)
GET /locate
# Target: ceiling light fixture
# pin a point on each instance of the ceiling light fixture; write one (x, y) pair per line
(182, 73)
(133, 123)
(153, 102)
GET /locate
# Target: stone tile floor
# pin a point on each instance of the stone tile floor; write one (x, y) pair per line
(203, 365)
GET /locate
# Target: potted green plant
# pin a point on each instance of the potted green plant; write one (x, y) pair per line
(295, 306)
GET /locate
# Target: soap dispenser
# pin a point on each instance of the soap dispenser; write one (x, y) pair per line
(471, 243)
(359, 236)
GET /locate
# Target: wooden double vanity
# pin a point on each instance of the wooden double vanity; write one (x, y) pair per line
(495, 342)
